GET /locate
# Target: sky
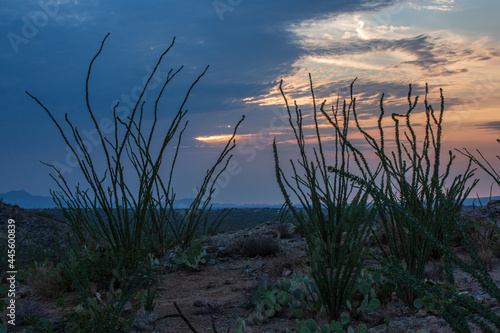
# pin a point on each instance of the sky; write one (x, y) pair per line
(47, 45)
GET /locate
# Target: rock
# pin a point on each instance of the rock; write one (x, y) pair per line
(493, 208)
(421, 313)
(256, 319)
(211, 249)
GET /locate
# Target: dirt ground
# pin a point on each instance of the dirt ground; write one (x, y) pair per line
(216, 295)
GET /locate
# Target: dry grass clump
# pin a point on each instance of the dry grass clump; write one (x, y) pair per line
(487, 257)
(285, 230)
(485, 236)
(288, 261)
(483, 233)
(48, 280)
(256, 246)
(28, 313)
(435, 271)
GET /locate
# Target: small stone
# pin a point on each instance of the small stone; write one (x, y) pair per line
(199, 303)
(421, 313)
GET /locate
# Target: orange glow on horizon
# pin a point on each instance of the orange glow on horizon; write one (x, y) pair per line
(214, 138)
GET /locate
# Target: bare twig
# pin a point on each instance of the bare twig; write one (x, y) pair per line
(184, 318)
(213, 324)
(176, 315)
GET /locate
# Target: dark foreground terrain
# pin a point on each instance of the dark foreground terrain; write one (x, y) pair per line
(214, 295)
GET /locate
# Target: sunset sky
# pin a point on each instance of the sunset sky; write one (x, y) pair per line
(47, 45)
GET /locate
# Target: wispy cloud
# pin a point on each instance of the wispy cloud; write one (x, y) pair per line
(437, 5)
(490, 125)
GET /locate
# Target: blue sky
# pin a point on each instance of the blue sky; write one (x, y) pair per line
(46, 47)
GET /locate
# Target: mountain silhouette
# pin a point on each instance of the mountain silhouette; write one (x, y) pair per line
(27, 200)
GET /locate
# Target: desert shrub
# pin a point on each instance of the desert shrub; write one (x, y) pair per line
(100, 265)
(127, 204)
(101, 310)
(457, 309)
(482, 162)
(290, 261)
(256, 246)
(48, 280)
(427, 215)
(490, 230)
(102, 321)
(126, 214)
(334, 216)
(435, 272)
(483, 233)
(284, 230)
(34, 317)
(414, 175)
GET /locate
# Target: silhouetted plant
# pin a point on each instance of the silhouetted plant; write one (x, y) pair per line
(457, 309)
(111, 209)
(257, 246)
(412, 175)
(47, 279)
(102, 309)
(336, 219)
(284, 215)
(483, 163)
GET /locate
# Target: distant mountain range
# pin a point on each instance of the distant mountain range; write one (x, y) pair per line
(27, 200)
(479, 202)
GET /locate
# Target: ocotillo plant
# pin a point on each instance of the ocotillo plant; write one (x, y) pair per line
(337, 217)
(482, 162)
(457, 309)
(412, 175)
(111, 209)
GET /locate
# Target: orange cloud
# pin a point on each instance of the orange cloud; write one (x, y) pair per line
(214, 138)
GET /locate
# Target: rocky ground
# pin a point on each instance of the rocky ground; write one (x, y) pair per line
(214, 296)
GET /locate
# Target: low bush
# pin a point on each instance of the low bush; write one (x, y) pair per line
(284, 230)
(33, 315)
(256, 246)
(48, 280)
(334, 217)
(286, 261)
(101, 310)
